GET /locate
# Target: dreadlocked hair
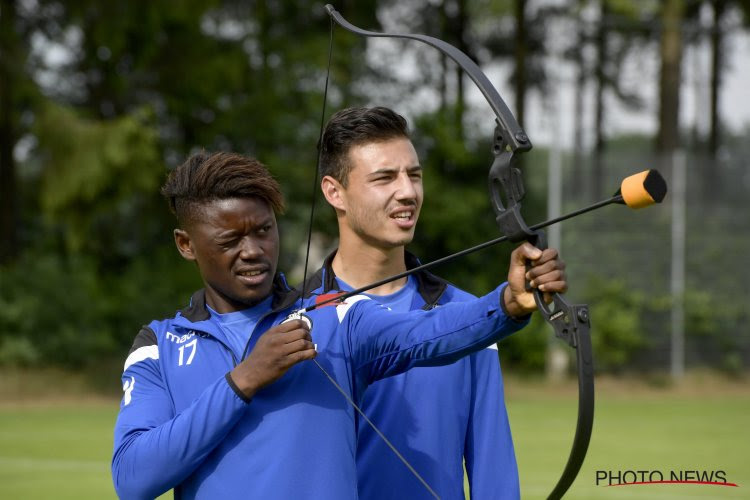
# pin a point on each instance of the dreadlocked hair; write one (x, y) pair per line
(207, 177)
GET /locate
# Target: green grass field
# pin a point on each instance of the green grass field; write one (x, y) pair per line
(61, 448)
(636, 428)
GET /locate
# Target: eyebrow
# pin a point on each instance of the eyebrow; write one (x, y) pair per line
(390, 170)
(230, 233)
(227, 234)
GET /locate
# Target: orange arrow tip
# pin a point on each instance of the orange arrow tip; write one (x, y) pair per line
(643, 189)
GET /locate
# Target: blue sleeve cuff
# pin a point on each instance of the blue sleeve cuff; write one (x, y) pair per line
(518, 319)
(236, 389)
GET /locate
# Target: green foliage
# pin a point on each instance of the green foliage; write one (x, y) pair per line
(618, 330)
(710, 321)
(630, 9)
(94, 168)
(141, 85)
(54, 308)
(18, 352)
(526, 350)
(63, 311)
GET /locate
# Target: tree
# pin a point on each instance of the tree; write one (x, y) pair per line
(520, 50)
(601, 77)
(12, 79)
(721, 9)
(670, 50)
(136, 88)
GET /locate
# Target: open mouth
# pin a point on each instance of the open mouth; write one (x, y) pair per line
(404, 218)
(253, 276)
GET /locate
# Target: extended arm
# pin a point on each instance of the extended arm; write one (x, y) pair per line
(385, 343)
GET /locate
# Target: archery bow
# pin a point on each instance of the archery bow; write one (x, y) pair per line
(570, 322)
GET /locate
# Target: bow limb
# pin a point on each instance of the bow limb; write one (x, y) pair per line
(570, 322)
(572, 325)
(515, 137)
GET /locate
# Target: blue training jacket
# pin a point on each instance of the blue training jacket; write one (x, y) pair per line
(437, 417)
(183, 425)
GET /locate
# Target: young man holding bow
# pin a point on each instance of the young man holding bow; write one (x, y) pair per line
(439, 418)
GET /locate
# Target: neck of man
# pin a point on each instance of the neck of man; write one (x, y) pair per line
(358, 264)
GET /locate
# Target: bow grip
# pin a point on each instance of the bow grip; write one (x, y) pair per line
(539, 240)
(567, 320)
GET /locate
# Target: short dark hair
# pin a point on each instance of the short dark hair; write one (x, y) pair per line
(206, 177)
(353, 127)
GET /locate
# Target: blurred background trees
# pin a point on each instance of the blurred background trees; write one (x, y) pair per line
(98, 100)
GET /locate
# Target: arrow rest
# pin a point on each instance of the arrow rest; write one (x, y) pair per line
(299, 314)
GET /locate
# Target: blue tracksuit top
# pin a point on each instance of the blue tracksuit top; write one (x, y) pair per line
(437, 417)
(183, 425)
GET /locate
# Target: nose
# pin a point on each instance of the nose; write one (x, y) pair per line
(406, 190)
(250, 249)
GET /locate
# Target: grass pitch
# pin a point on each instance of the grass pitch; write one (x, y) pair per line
(700, 426)
(61, 448)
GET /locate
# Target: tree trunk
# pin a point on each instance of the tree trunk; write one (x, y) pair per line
(578, 105)
(454, 30)
(9, 66)
(520, 60)
(460, 33)
(443, 83)
(668, 138)
(716, 63)
(597, 174)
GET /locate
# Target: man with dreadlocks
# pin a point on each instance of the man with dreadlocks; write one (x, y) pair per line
(223, 401)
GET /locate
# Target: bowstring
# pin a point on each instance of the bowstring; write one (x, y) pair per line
(304, 282)
(317, 164)
(378, 431)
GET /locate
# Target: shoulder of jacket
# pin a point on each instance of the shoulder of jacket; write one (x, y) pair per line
(146, 337)
(452, 293)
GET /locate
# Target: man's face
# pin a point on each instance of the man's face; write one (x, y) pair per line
(235, 242)
(383, 196)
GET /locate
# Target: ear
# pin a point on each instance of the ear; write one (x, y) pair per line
(334, 192)
(184, 244)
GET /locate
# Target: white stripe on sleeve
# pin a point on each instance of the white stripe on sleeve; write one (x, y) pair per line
(343, 308)
(142, 353)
